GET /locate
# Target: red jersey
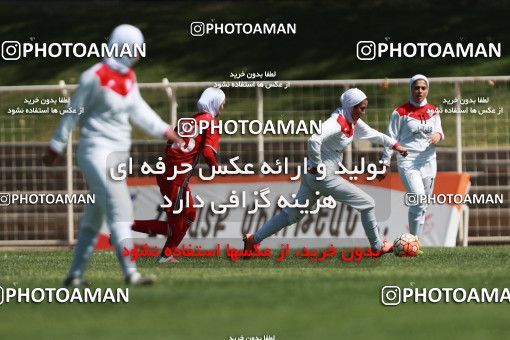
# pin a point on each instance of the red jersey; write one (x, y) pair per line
(188, 152)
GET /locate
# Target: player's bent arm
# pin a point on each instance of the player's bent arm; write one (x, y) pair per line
(393, 131)
(142, 115)
(363, 131)
(172, 136)
(211, 146)
(81, 98)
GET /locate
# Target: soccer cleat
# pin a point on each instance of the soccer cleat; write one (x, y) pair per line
(249, 244)
(387, 247)
(166, 259)
(136, 279)
(420, 252)
(74, 281)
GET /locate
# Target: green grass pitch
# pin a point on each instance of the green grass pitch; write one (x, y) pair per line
(218, 299)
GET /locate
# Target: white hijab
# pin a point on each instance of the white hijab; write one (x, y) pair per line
(124, 34)
(411, 82)
(210, 101)
(349, 100)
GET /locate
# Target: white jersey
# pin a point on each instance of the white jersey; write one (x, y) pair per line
(108, 99)
(337, 133)
(410, 126)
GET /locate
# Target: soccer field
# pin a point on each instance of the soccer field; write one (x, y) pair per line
(218, 299)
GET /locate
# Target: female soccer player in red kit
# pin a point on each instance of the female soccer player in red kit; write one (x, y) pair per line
(177, 157)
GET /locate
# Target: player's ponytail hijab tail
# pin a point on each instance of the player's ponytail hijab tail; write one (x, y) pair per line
(210, 101)
(124, 34)
(411, 83)
(349, 100)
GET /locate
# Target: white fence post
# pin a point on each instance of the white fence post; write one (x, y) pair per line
(260, 117)
(465, 221)
(458, 128)
(69, 175)
(464, 217)
(172, 100)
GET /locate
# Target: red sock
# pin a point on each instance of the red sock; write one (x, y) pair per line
(179, 230)
(151, 227)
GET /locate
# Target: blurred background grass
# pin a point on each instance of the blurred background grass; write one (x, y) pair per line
(323, 48)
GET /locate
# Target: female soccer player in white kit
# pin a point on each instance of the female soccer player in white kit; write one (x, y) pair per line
(327, 148)
(417, 126)
(110, 96)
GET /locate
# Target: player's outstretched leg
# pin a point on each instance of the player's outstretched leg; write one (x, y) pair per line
(372, 231)
(87, 237)
(179, 226)
(274, 225)
(413, 182)
(121, 237)
(346, 192)
(118, 209)
(281, 220)
(151, 227)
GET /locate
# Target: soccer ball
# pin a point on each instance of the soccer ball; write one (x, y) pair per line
(406, 245)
